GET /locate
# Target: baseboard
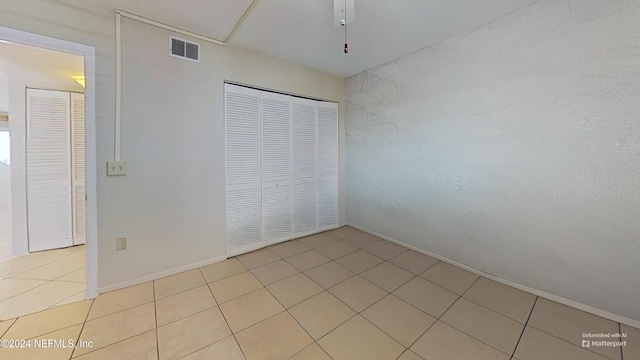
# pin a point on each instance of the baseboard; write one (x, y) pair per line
(159, 275)
(578, 305)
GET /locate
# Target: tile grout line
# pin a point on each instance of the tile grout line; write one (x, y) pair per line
(93, 301)
(155, 317)
(6, 331)
(222, 312)
(620, 332)
(568, 342)
(524, 327)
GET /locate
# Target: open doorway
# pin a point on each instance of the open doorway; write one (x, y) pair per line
(47, 266)
(5, 190)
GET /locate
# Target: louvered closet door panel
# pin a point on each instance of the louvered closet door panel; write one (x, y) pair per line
(243, 173)
(327, 164)
(304, 165)
(48, 158)
(78, 168)
(276, 166)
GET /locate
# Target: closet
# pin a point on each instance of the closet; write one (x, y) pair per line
(281, 167)
(55, 166)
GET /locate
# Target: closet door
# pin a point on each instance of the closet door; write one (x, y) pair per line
(327, 188)
(243, 170)
(78, 168)
(304, 145)
(48, 157)
(276, 167)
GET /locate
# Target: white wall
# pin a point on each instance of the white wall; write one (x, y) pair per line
(171, 204)
(512, 149)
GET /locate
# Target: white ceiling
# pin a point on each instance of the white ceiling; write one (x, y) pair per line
(34, 64)
(303, 32)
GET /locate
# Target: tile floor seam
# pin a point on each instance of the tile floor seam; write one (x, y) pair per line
(620, 332)
(204, 347)
(238, 297)
(93, 301)
(254, 324)
(6, 331)
(288, 276)
(475, 338)
(225, 319)
(182, 318)
(36, 267)
(337, 326)
(404, 283)
(488, 308)
(569, 342)
(431, 282)
(421, 335)
(10, 297)
(470, 286)
(513, 354)
(313, 267)
(119, 311)
(67, 298)
(155, 317)
(384, 332)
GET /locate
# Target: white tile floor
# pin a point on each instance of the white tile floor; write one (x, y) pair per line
(41, 280)
(341, 295)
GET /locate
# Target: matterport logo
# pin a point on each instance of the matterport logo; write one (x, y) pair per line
(590, 340)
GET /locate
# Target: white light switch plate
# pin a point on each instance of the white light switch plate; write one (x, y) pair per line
(116, 168)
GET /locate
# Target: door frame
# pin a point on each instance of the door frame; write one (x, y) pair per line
(88, 52)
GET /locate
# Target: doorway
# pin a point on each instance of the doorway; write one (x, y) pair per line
(6, 248)
(36, 273)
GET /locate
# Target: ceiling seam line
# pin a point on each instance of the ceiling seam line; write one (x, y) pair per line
(241, 21)
(170, 27)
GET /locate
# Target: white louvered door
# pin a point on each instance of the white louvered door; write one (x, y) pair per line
(281, 167)
(276, 167)
(243, 169)
(78, 168)
(327, 188)
(304, 165)
(48, 165)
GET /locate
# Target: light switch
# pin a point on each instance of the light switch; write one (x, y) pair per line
(116, 168)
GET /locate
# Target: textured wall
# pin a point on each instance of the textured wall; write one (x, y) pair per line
(514, 149)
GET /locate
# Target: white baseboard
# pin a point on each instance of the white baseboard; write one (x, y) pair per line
(159, 275)
(559, 299)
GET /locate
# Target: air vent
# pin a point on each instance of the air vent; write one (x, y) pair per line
(184, 49)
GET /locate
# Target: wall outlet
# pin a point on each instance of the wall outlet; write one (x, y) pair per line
(116, 168)
(121, 244)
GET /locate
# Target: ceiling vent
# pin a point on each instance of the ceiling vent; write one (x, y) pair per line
(184, 49)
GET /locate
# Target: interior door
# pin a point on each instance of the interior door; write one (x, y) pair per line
(243, 171)
(78, 168)
(276, 167)
(328, 189)
(48, 157)
(304, 146)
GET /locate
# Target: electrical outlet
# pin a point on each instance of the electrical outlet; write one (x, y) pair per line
(121, 244)
(116, 168)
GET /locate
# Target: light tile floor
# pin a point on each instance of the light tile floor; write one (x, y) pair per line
(41, 280)
(342, 295)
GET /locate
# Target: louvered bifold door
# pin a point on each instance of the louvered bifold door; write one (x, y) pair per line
(48, 165)
(304, 145)
(243, 179)
(327, 164)
(78, 168)
(276, 167)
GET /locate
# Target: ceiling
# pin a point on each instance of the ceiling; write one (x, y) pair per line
(303, 32)
(33, 65)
